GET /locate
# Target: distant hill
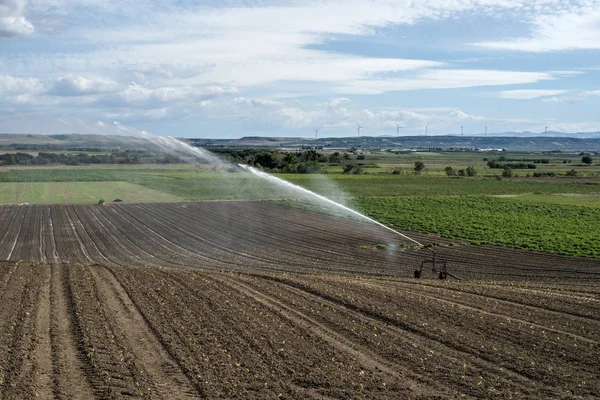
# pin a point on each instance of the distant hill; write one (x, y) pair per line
(18, 141)
(509, 142)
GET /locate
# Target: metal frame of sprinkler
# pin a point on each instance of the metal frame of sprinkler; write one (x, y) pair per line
(439, 267)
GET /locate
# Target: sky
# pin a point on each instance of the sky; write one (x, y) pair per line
(228, 69)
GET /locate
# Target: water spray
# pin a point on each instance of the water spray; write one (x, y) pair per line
(174, 145)
(437, 266)
(324, 199)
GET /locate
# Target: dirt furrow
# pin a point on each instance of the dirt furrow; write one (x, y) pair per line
(566, 324)
(42, 239)
(249, 233)
(167, 380)
(42, 352)
(14, 244)
(362, 354)
(523, 301)
(68, 365)
(111, 367)
(17, 335)
(405, 337)
(463, 332)
(52, 237)
(120, 247)
(261, 354)
(143, 242)
(88, 238)
(169, 244)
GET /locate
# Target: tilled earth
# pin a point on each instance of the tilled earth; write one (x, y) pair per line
(251, 300)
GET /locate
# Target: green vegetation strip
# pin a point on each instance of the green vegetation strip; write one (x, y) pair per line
(564, 229)
(79, 192)
(411, 185)
(183, 183)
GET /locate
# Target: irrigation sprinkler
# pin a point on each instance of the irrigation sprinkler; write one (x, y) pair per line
(439, 267)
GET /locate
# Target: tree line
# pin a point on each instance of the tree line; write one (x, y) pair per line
(114, 157)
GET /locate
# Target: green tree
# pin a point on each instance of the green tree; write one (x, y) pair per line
(265, 159)
(572, 172)
(419, 167)
(335, 158)
(507, 172)
(450, 171)
(587, 160)
(471, 171)
(290, 158)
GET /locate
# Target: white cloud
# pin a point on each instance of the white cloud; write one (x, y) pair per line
(591, 93)
(81, 86)
(444, 79)
(528, 94)
(559, 31)
(582, 96)
(13, 23)
(12, 84)
(140, 96)
(340, 120)
(19, 91)
(338, 102)
(194, 60)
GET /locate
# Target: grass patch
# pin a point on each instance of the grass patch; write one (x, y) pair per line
(79, 192)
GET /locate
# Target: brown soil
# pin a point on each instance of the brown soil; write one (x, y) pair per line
(248, 300)
(246, 235)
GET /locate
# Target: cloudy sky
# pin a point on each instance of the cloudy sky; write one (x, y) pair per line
(281, 68)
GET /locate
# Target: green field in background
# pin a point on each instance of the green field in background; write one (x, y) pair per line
(79, 192)
(191, 183)
(558, 215)
(564, 229)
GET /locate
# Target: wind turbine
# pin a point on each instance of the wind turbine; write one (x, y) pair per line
(426, 129)
(398, 127)
(462, 132)
(358, 128)
(316, 132)
(486, 131)
(545, 131)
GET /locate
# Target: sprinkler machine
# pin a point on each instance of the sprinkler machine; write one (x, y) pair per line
(437, 267)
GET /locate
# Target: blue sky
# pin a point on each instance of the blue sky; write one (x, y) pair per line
(274, 68)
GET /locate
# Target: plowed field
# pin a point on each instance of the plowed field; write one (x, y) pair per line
(255, 235)
(252, 300)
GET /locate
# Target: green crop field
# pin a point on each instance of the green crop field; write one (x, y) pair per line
(412, 185)
(79, 192)
(162, 183)
(192, 183)
(564, 229)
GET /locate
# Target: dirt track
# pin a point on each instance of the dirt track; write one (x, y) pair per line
(249, 300)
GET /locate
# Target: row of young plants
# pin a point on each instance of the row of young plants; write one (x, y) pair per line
(564, 229)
